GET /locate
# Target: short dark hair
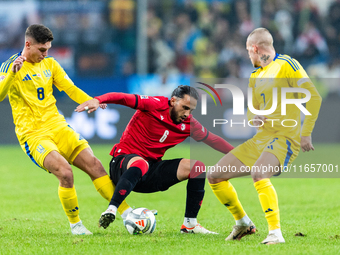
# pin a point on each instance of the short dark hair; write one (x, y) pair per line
(39, 33)
(182, 90)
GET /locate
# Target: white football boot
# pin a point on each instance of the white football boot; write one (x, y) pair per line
(241, 231)
(79, 229)
(198, 229)
(273, 238)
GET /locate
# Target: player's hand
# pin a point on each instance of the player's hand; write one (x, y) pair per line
(17, 64)
(103, 106)
(259, 120)
(306, 143)
(89, 106)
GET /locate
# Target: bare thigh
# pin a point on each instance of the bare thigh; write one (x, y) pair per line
(227, 168)
(58, 165)
(87, 162)
(264, 167)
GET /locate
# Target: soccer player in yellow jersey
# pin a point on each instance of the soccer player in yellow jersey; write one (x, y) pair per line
(274, 145)
(44, 135)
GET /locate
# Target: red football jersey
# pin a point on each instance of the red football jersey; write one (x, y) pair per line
(151, 131)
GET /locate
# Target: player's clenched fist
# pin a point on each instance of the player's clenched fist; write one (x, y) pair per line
(17, 64)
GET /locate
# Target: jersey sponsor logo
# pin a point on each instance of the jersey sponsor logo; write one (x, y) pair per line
(2, 77)
(162, 118)
(27, 78)
(182, 127)
(144, 97)
(41, 149)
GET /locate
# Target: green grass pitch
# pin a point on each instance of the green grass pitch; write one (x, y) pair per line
(32, 220)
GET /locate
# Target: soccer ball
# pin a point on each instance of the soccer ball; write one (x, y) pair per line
(140, 221)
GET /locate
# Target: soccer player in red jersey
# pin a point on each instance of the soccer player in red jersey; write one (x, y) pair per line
(158, 124)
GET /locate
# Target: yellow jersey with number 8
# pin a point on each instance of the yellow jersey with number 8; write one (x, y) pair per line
(30, 93)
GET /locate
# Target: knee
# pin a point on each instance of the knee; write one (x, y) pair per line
(256, 176)
(141, 164)
(65, 175)
(215, 180)
(214, 175)
(198, 169)
(96, 165)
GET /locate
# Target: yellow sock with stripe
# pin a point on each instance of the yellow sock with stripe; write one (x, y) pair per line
(269, 202)
(105, 187)
(69, 201)
(227, 195)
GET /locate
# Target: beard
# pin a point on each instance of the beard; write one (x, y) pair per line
(174, 116)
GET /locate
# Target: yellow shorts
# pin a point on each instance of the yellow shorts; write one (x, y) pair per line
(284, 148)
(62, 139)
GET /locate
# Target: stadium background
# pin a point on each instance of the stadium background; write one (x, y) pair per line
(150, 47)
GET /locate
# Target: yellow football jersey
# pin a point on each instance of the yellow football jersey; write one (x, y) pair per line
(284, 71)
(30, 95)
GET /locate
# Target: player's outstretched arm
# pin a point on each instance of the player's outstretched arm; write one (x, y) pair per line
(7, 81)
(89, 106)
(218, 143)
(144, 103)
(201, 134)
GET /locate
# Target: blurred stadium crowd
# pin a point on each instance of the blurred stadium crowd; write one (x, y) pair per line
(207, 38)
(198, 38)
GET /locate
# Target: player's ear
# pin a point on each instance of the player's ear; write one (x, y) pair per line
(28, 44)
(172, 101)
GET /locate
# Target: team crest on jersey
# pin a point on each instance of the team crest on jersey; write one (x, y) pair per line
(144, 97)
(41, 149)
(47, 73)
(2, 77)
(182, 127)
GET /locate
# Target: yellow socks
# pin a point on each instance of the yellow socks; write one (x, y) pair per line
(69, 201)
(227, 195)
(269, 202)
(105, 187)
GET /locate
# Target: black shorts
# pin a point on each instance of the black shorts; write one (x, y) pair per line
(160, 176)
